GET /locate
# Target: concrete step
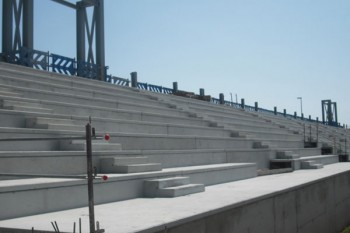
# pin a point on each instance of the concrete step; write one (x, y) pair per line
(111, 103)
(80, 145)
(260, 145)
(174, 142)
(155, 184)
(286, 155)
(128, 165)
(310, 164)
(53, 162)
(135, 168)
(128, 127)
(65, 84)
(123, 160)
(171, 187)
(29, 109)
(60, 127)
(8, 102)
(65, 194)
(9, 92)
(305, 162)
(32, 122)
(181, 190)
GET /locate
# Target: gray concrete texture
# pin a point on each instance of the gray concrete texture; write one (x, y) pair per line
(154, 136)
(303, 201)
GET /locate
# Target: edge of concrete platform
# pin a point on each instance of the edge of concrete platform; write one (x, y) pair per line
(164, 227)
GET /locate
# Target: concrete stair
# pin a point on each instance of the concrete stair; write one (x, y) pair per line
(25, 197)
(174, 144)
(286, 155)
(307, 162)
(98, 145)
(171, 187)
(128, 165)
(311, 164)
(23, 106)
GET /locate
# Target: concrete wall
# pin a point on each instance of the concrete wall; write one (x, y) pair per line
(319, 207)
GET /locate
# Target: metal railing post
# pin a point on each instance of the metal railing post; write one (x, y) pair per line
(90, 178)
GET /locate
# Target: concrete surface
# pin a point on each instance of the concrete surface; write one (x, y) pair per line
(303, 201)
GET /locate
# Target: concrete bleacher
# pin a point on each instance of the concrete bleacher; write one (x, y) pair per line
(161, 145)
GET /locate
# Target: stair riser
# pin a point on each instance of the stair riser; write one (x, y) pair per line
(150, 143)
(29, 109)
(153, 186)
(102, 103)
(29, 145)
(68, 146)
(131, 169)
(45, 165)
(79, 89)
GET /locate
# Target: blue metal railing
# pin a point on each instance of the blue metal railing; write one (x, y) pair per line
(69, 66)
(117, 81)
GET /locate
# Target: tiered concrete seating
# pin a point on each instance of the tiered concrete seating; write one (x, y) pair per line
(145, 132)
(161, 145)
(281, 134)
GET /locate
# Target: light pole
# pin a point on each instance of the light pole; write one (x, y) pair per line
(301, 105)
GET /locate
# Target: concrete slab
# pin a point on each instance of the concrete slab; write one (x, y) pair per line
(154, 215)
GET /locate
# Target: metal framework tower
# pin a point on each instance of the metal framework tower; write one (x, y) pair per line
(17, 34)
(329, 112)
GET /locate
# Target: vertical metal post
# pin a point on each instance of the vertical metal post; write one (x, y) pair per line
(222, 98)
(28, 28)
(284, 112)
(80, 21)
(175, 87)
(242, 103)
(323, 112)
(275, 110)
(133, 79)
(304, 133)
(256, 107)
(100, 39)
(90, 178)
(7, 26)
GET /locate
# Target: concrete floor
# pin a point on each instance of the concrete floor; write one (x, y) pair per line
(151, 215)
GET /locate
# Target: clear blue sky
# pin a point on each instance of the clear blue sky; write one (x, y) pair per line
(270, 51)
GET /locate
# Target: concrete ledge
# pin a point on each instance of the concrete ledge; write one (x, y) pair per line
(33, 196)
(303, 201)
